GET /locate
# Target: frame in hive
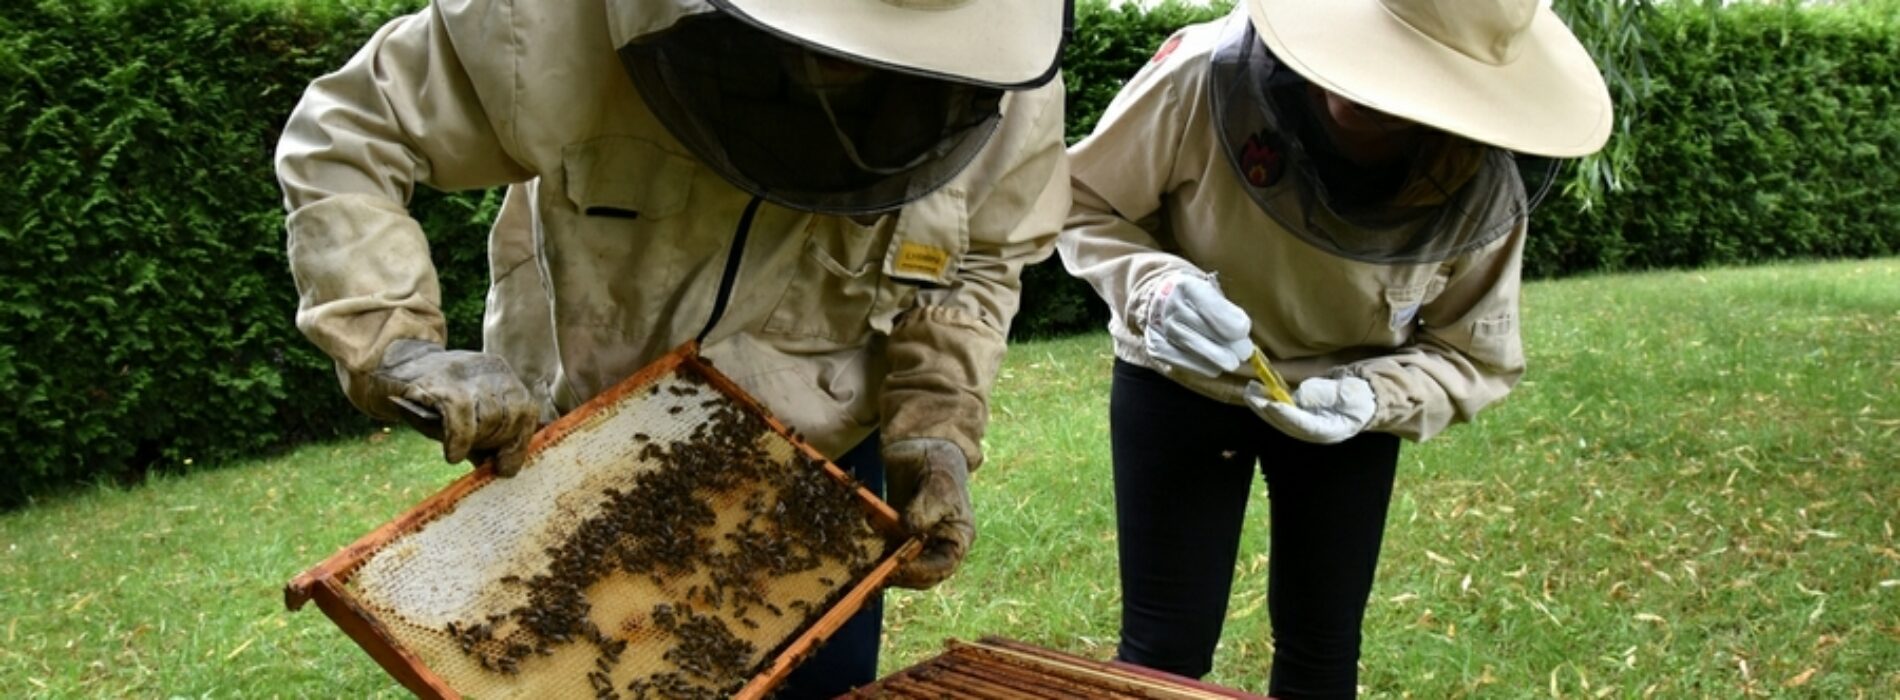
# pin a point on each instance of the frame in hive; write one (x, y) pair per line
(994, 668)
(667, 539)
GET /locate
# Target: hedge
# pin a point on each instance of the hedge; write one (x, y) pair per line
(1110, 44)
(145, 313)
(1768, 132)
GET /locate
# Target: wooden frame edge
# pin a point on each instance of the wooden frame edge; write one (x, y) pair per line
(763, 683)
(378, 643)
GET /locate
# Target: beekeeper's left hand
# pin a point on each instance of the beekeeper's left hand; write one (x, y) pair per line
(929, 483)
(1325, 410)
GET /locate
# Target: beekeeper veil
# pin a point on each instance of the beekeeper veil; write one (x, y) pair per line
(1503, 86)
(841, 106)
(1439, 202)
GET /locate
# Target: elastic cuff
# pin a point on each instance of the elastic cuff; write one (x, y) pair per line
(1390, 404)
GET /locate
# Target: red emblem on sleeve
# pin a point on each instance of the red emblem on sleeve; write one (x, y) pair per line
(1173, 43)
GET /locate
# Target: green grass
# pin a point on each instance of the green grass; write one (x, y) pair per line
(1693, 494)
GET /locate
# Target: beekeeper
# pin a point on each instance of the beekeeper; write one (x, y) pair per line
(835, 197)
(1344, 185)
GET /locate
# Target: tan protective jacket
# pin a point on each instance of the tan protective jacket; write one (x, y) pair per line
(613, 240)
(1155, 195)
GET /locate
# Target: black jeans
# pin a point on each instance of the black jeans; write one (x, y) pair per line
(1184, 465)
(849, 658)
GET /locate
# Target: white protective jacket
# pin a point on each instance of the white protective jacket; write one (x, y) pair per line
(1154, 194)
(613, 240)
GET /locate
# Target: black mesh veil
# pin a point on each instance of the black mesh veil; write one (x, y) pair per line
(1270, 133)
(805, 128)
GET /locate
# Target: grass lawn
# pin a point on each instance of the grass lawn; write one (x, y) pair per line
(1693, 494)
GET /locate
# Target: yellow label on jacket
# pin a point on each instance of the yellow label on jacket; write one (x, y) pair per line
(920, 259)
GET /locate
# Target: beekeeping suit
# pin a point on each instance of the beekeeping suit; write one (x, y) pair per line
(1208, 173)
(1342, 188)
(835, 197)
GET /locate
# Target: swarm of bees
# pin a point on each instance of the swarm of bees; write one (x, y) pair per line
(661, 527)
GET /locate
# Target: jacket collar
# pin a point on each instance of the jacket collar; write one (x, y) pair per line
(628, 20)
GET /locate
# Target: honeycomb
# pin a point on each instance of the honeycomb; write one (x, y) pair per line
(667, 543)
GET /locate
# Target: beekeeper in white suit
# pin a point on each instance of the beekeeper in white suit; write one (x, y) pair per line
(836, 197)
(1341, 184)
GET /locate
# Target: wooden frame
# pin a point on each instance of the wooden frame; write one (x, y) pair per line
(997, 668)
(326, 583)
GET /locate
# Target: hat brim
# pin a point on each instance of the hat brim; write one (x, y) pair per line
(1550, 101)
(996, 43)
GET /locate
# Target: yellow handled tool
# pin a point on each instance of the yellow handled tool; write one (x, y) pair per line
(1276, 387)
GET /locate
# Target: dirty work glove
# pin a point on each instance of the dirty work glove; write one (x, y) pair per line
(1325, 410)
(482, 406)
(929, 482)
(1193, 327)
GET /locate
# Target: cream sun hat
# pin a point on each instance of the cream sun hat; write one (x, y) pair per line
(1002, 43)
(1503, 72)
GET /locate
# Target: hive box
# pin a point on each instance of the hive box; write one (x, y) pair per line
(1000, 669)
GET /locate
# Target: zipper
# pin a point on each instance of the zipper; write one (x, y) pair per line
(731, 275)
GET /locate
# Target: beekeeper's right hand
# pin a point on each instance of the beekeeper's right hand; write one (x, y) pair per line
(929, 484)
(1192, 326)
(484, 407)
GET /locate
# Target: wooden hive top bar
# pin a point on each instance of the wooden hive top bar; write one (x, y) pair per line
(1000, 669)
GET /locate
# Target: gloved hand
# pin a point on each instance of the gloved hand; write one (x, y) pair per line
(1325, 410)
(929, 483)
(482, 404)
(1193, 327)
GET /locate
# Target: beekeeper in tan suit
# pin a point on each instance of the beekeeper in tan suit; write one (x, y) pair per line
(1343, 185)
(835, 197)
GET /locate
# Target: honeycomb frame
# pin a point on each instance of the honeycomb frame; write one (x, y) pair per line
(330, 582)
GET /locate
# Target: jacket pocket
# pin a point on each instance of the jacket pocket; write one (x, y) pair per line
(1405, 304)
(836, 285)
(1495, 340)
(617, 232)
(1402, 305)
(620, 177)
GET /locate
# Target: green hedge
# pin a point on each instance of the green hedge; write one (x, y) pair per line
(1769, 133)
(1111, 43)
(146, 309)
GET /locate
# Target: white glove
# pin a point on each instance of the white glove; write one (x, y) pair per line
(1193, 327)
(1324, 410)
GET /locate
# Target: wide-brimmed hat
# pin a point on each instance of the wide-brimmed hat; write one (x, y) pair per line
(1503, 72)
(1000, 43)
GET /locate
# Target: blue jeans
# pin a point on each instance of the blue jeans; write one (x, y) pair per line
(1184, 465)
(849, 658)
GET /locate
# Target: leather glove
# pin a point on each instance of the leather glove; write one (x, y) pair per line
(929, 482)
(1325, 410)
(1193, 327)
(482, 406)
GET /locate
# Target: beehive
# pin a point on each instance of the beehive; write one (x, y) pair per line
(667, 540)
(1000, 669)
